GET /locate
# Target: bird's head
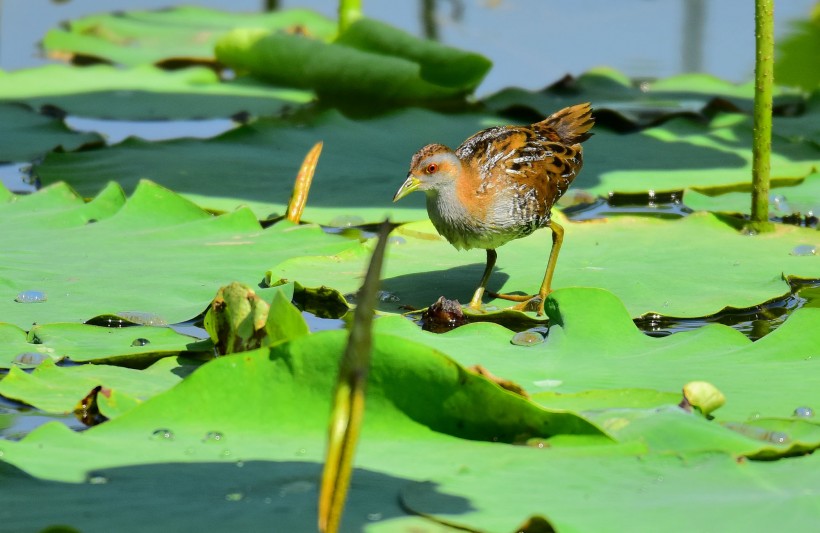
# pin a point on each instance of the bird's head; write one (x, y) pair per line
(432, 167)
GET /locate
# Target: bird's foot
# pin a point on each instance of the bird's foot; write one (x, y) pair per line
(533, 303)
(512, 297)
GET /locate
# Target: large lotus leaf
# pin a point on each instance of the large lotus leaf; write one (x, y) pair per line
(26, 134)
(370, 63)
(785, 200)
(648, 263)
(365, 161)
(595, 345)
(157, 254)
(81, 343)
(654, 493)
(144, 92)
(249, 399)
(59, 390)
(183, 33)
(235, 414)
(612, 91)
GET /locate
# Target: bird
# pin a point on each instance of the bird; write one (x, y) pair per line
(501, 185)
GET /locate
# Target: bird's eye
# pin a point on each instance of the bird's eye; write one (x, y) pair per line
(432, 168)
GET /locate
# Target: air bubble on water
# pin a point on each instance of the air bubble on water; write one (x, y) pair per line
(397, 240)
(346, 221)
(234, 496)
(387, 296)
(163, 434)
(804, 250)
(30, 358)
(213, 436)
(140, 342)
(31, 297)
(240, 464)
(804, 412)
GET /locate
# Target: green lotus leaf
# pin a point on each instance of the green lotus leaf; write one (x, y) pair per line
(156, 253)
(796, 63)
(235, 414)
(609, 90)
(642, 260)
(248, 399)
(365, 161)
(183, 33)
(370, 62)
(595, 346)
(783, 201)
(58, 390)
(26, 135)
(144, 92)
(81, 343)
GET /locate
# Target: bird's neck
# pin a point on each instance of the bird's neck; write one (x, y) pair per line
(448, 214)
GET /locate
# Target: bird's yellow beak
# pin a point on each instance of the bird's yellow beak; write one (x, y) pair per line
(411, 184)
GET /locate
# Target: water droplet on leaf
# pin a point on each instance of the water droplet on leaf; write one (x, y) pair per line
(804, 250)
(163, 434)
(31, 297)
(387, 296)
(234, 496)
(804, 412)
(213, 436)
(530, 337)
(30, 358)
(140, 342)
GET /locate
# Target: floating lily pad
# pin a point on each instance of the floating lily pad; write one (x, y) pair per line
(649, 103)
(26, 134)
(59, 390)
(787, 200)
(183, 33)
(157, 253)
(144, 93)
(82, 343)
(646, 262)
(365, 161)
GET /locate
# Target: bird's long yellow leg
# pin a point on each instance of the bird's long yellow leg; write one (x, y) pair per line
(475, 303)
(557, 240)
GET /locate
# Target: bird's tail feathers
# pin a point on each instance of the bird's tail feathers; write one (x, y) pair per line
(572, 124)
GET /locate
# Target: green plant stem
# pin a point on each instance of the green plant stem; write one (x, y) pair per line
(762, 137)
(349, 12)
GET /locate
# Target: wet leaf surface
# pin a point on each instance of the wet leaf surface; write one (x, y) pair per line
(646, 262)
(155, 253)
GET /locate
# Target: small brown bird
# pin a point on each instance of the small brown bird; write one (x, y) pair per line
(500, 185)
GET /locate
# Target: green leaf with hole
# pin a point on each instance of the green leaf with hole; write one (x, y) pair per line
(183, 34)
(156, 253)
(144, 93)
